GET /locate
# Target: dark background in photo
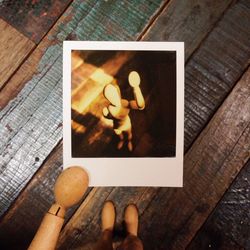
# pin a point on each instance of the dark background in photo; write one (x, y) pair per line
(154, 128)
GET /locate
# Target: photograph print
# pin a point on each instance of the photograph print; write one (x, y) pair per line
(123, 102)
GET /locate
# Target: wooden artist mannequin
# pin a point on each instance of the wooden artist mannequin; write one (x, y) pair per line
(119, 108)
(69, 189)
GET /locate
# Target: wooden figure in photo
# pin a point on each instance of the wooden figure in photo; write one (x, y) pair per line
(119, 108)
(69, 189)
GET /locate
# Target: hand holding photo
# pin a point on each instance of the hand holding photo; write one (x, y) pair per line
(124, 111)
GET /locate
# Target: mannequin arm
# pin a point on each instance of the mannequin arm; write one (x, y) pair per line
(139, 99)
(134, 82)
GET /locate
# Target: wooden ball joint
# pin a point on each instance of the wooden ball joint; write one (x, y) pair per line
(69, 189)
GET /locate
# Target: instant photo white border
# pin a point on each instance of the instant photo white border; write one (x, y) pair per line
(157, 171)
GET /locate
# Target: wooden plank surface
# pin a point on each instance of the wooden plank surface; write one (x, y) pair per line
(212, 162)
(143, 195)
(32, 18)
(90, 20)
(38, 197)
(18, 236)
(14, 48)
(31, 124)
(186, 19)
(210, 165)
(217, 243)
(230, 221)
(149, 191)
(204, 80)
(34, 60)
(216, 68)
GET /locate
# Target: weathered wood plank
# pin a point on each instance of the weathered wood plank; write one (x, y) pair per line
(215, 68)
(180, 19)
(216, 242)
(209, 169)
(148, 193)
(33, 18)
(230, 221)
(38, 197)
(212, 162)
(31, 124)
(202, 78)
(14, 48)
(89, 20)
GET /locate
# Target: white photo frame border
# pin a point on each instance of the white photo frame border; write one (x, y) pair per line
(146, 171)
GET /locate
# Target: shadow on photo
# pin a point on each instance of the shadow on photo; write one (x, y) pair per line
(123, 103)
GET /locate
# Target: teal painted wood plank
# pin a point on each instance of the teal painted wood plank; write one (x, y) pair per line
(31, 124)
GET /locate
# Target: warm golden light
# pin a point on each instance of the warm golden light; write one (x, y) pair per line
(77, 127)
(90, 90)
(96, 93)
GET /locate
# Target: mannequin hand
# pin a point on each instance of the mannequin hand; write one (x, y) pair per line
(134, 79)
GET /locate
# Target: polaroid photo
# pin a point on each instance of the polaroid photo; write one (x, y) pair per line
(123, 112)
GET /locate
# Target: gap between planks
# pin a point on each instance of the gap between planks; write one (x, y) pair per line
(153, 20)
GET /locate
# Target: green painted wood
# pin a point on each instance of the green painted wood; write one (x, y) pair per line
(88, 20)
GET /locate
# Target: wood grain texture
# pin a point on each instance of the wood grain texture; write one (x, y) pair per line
(139, 195)
(32, 204)
(210, 165)
(182, 18)
(230, 221)
(31, 124)
(215, 68)
(209, 169)
(14, 48)
(218, 242)
(32, 18)
(207, 82)
(89, 20)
